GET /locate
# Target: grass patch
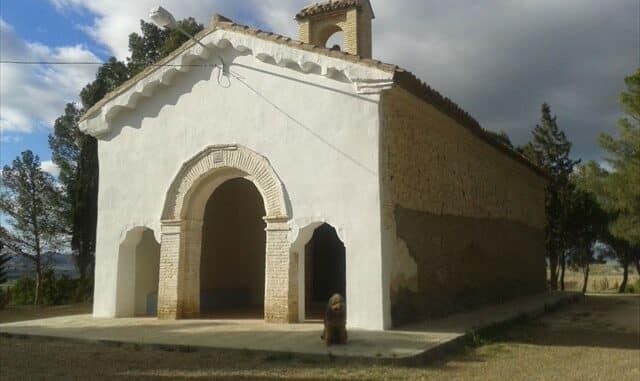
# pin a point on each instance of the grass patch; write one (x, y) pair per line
(494, 332)
(496, 349)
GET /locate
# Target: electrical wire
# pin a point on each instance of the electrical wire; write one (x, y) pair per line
(20, 62)
(224, 70)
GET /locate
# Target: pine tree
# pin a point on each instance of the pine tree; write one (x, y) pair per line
(30, 200)
(587, 225)
(618, 191)
(622, 185)
(4, 259)
(155, 43)
(77, 154)
(65, 146)
(550, 150)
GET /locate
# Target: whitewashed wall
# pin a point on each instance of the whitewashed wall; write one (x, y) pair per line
(319, 135)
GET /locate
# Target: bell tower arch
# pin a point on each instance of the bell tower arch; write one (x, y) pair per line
(318, 22)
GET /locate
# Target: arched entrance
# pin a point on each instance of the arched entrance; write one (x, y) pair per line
(232, 264)
(320, 254)
(182, 227)
(331, 37)
(325, 270)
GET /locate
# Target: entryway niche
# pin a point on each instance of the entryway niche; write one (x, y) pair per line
(138, 269)
(232, 264)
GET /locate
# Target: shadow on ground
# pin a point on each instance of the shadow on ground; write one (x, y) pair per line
(601, 321)
(24, 313)
(597, 337)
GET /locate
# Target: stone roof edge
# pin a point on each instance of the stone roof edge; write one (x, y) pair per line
(332, 6)
(280, 39)
(416, 87)
(410, 82)
(401, 77)
(93, 110)
(190, 48)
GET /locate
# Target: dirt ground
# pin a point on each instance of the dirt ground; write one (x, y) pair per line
(22, 313)
(596, 339)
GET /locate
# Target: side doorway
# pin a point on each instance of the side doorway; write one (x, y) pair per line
(325, 270)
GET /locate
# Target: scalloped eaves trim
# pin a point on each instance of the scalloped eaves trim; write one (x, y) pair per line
(366, 79)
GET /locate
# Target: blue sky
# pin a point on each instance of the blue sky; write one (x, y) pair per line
(498, 59)
(49, 27)
(53, 24)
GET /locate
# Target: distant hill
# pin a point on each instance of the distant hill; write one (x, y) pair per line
(62, 264)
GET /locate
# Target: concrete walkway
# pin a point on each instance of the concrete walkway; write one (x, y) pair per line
(415, 343)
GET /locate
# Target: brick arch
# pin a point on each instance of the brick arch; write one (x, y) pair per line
(250, 164)
(327, 32)
(181, 235)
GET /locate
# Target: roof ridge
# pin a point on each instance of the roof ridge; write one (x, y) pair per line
(327, 6)
(278, 38)
(402, 77)
(144, 73)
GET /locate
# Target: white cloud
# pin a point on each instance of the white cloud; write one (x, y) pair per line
(115, 20)
(34, 95)
(278, 15)
(50, 167)
(501, 59)
(498, 59)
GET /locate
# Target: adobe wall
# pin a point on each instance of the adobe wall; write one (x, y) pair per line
(463, 221)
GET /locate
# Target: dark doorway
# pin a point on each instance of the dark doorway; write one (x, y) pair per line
(325, 270)
(232, 264)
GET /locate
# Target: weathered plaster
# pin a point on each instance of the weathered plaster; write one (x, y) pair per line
(404, 269)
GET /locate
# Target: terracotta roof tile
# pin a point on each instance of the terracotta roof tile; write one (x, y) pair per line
(327, 6)
(403, 78)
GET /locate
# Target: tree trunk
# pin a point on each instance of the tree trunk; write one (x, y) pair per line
(36, 298)
(82, 262)
(638, 266)
(625, 277)
(38, 257)
(563, 265)
(586, 279)
(85, 214)
(83, 257)
(553, 271)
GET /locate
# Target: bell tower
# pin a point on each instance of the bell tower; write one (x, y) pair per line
(318, 22)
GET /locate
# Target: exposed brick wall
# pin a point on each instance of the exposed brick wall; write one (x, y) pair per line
(169, 265)
(279, 307)
(470, 216)
(179, 288)
(189, 272)
(354, 23)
